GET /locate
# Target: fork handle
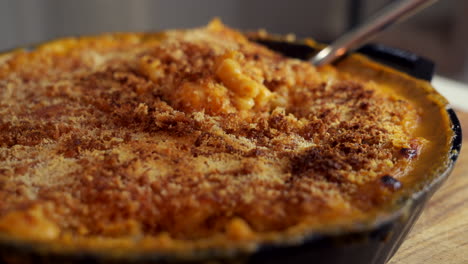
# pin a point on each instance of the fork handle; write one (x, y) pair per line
(392, 14)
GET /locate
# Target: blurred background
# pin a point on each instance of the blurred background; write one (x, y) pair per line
(439, 32)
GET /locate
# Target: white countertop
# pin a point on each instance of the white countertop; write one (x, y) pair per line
(455, 92)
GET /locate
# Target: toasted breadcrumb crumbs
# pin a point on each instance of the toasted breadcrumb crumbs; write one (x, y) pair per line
(189, 136)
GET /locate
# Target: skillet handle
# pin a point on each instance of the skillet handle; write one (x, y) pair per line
(404, 61)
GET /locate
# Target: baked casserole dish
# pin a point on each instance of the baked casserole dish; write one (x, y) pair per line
(199, 145)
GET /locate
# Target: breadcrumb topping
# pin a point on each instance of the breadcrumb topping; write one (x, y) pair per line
(191, 136)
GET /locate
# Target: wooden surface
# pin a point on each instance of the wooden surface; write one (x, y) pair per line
(441, 233)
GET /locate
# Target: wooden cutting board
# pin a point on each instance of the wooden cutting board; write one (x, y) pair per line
(441, 233)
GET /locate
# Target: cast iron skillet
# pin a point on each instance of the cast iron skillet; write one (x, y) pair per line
(372, 245)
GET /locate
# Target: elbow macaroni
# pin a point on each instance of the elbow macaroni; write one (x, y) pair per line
(237, 90)
(249, 92)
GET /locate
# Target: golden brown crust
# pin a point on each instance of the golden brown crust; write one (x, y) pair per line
(192, 136)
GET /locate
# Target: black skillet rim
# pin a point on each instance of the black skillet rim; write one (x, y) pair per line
(404, 61)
